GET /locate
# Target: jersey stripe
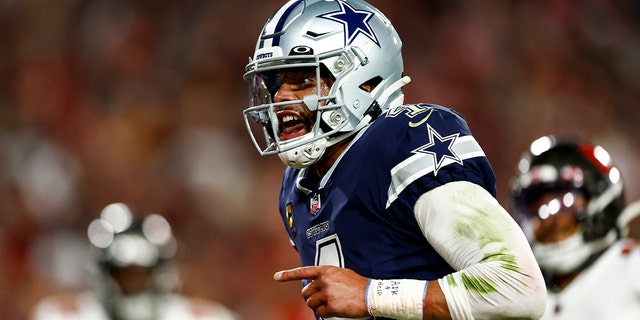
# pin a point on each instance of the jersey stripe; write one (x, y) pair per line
(421, 164)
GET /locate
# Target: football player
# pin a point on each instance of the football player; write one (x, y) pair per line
(568, 196)
(135, 276)
(391, 206)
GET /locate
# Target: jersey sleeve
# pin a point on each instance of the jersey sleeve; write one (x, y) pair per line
(496, 274)
(433, 146)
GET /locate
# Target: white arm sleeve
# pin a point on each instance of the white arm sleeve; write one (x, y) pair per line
(496, 275)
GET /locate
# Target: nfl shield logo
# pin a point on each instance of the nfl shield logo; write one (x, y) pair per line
(315, 204)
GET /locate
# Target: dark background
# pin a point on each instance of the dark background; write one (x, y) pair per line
(140, 101)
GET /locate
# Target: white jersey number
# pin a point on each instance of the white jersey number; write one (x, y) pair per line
(329, 252)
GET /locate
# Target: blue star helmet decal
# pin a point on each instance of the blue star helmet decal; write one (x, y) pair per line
(440, 148)
(354, 22)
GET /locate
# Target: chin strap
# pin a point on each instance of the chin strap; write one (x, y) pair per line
(373, 111)
(384, 96)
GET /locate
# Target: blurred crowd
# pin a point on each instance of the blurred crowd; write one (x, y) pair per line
(140, 101)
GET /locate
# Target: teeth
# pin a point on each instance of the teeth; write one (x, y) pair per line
(286, 119)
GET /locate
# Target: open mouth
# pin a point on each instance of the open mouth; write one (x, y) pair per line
(291, 125)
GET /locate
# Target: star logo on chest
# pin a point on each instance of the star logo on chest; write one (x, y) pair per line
(354, 22)
(440, 148)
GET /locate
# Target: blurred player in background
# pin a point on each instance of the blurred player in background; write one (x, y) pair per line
(391, 207)
(568, 197)
(135, 277)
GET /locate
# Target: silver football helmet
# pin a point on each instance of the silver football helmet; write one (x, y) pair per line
(349, 42)
(552, 176)
(133, 256)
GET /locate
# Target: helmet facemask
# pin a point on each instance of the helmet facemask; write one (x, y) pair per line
(552, 221)
(319, 112)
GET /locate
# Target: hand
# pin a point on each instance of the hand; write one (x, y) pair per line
(334, 291)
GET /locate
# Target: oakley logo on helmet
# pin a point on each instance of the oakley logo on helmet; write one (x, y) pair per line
(301, 50)
(354, 21)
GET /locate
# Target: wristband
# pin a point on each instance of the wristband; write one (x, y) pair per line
(396, 298)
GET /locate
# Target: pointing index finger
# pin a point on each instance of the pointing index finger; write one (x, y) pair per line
(301, 273)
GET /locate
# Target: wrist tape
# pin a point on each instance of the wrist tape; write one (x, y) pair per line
(396, 298)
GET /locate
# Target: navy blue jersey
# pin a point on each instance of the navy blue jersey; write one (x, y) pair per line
(360, 215)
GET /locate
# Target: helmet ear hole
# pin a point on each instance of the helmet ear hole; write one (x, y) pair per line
(371, 84)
